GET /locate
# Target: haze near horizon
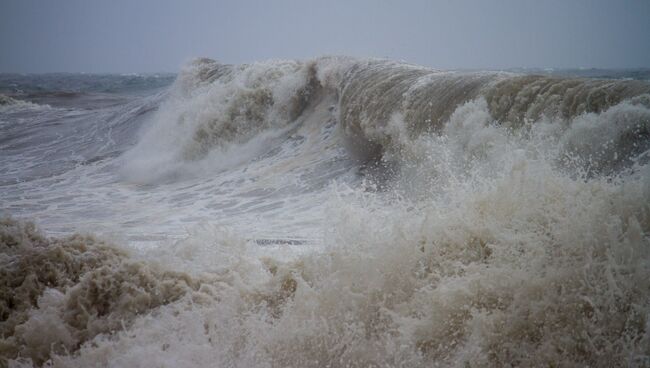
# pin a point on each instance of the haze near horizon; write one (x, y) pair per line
(152, 36)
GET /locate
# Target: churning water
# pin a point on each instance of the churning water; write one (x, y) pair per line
(330, 213)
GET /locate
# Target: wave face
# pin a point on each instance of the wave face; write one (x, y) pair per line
(377, 93)
(334, 212)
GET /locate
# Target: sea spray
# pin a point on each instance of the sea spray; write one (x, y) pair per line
(532, 268)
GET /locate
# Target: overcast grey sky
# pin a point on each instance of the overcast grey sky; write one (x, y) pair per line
(160, 35)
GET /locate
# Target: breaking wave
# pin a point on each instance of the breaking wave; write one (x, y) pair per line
(495, 219)
(381, 107)
(8, 104)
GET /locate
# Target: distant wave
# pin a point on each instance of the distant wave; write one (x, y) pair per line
(27, 84)
(8, 103)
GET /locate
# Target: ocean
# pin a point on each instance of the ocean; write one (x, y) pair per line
(334, 212)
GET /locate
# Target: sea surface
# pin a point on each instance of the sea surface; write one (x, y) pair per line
(333, 212)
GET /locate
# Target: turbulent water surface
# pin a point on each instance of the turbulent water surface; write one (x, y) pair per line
(336, 212)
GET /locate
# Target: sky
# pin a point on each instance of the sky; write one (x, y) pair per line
(127, 36)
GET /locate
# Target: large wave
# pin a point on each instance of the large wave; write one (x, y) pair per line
(382, 107)
(499, 219)
(374, 93)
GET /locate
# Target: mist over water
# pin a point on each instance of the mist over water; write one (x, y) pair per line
(335, 212)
